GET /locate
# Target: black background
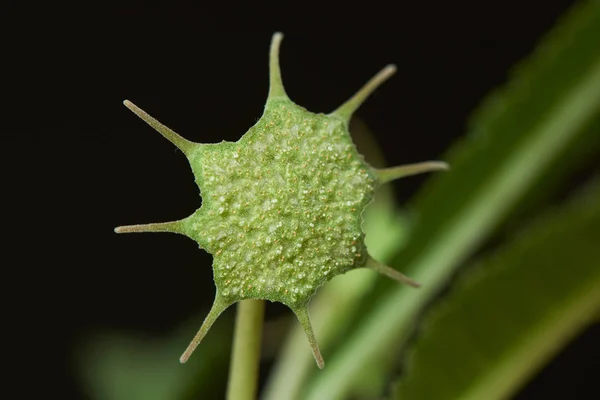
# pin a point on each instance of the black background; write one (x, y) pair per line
(76, 163)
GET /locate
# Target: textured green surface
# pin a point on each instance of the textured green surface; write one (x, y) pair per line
(336, 304)
(281, 208)
(503, 320)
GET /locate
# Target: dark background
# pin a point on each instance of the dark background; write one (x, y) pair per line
(76, 163)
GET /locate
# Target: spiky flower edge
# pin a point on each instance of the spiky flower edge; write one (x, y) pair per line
(343, 113)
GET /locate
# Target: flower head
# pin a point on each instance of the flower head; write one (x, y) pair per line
(282, 207)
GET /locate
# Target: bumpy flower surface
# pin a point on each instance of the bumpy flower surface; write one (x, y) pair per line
(282, 207)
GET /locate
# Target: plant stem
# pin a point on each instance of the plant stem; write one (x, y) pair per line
(245, 358)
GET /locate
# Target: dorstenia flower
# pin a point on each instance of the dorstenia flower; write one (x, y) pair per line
(282, 207)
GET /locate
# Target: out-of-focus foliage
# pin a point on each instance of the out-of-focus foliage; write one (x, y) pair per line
(117, 365)
(549, 107)
(503, 320)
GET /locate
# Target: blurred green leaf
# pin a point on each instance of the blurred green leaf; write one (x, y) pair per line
(521, 133)
(504, 320)
(119, 365)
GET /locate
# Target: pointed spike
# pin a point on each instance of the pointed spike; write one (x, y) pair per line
(389, 174)
(171, 226)
(346, 110)
(276, 88)
(302, 315)
(390, 272)
(219, 305)
(182, 143)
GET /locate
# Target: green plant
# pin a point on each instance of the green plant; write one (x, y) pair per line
(539, 278)
(282, 207)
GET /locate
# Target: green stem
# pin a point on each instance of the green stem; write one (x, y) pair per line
(245, 358)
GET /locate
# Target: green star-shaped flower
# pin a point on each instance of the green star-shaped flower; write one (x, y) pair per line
(282, 207)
